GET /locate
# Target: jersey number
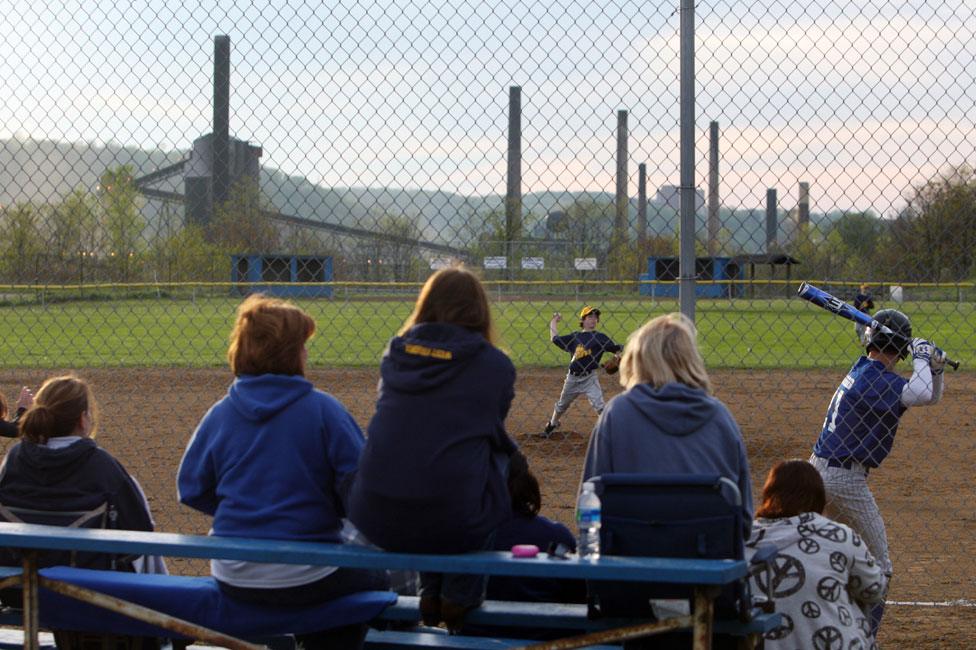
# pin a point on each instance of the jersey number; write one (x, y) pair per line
(830, 422)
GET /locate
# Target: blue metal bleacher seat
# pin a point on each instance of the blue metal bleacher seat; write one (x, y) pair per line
(194, 599)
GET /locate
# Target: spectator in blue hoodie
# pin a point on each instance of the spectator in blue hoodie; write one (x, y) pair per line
(274, 459)
(667, 421)
(432, 476)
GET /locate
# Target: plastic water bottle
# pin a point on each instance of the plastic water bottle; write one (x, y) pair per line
(588, 520)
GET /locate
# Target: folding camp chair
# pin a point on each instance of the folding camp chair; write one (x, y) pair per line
(686, 516)
(97, 517)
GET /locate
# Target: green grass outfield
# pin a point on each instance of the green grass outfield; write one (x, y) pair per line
(782, 333)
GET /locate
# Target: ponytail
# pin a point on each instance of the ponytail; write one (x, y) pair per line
(37, 425)
(57, 409)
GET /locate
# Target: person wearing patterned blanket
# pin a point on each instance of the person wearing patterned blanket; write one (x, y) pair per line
(823, 579)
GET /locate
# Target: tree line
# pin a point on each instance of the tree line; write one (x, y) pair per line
(103, 235)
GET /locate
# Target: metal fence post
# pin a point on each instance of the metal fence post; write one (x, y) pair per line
(686, 260)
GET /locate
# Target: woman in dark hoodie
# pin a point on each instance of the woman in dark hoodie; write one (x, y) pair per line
(432, 476)
(58, 467)
(667, 421)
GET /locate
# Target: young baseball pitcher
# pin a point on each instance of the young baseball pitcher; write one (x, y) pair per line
(587, 346)
(861, 422)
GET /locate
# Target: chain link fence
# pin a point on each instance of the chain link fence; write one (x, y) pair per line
(161, 160)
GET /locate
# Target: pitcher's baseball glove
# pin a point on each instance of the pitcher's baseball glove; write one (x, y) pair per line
(611, 365)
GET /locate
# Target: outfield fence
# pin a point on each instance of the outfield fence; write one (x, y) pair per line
(158, 164)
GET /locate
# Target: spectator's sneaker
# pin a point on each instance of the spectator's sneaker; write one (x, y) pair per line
(550, 427)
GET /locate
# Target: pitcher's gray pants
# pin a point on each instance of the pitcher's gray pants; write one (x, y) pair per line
(573, 387)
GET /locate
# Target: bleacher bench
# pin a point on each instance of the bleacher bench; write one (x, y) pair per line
(220, 624)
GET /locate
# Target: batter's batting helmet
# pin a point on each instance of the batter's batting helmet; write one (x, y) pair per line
(899, 338)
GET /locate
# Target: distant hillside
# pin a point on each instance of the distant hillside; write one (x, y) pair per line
(42, 171)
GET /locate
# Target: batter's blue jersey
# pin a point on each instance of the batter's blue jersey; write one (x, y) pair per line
(863, 415)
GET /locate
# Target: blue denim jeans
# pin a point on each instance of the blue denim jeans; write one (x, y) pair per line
(464, 589)
(339, 583)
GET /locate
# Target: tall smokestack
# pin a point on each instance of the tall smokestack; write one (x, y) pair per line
(772, 227)
(513, 191)
(221, 118)
(713, 223)
(641, 209)
(622, 201)
(804, 211)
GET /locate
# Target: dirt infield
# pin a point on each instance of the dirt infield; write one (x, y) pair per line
(925, 489)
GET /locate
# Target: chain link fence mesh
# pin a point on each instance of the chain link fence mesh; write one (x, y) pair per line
(160, 160)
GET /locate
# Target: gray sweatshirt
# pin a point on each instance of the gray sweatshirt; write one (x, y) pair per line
(672, 430)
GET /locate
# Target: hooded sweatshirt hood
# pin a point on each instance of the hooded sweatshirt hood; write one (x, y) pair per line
(429, 355)
(675, 429)
(260, 397)
(674, 409)
(44, 466)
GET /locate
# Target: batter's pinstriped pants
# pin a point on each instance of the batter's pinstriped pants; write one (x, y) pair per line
(849, 501)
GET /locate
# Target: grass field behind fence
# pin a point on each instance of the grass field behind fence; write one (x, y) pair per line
(781, 333)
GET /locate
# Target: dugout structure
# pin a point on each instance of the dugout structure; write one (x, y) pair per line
(770, 262)
(715, 273)
(285, 276)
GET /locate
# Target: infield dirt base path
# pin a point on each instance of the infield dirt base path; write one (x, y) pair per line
(925, 489)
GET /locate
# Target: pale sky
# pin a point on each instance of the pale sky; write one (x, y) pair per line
(861, 100)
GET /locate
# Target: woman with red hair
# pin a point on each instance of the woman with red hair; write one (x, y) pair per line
(823, 579)
(273, 459)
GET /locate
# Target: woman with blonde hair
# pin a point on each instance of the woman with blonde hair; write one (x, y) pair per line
(667, 421)
(432, 476)
(273, 459)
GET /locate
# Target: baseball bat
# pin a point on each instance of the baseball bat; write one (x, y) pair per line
(835, 305)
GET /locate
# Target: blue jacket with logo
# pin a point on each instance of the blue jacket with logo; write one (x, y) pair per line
(432, 475)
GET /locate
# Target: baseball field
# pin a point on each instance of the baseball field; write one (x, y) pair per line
(778, 333)
(157, 365)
